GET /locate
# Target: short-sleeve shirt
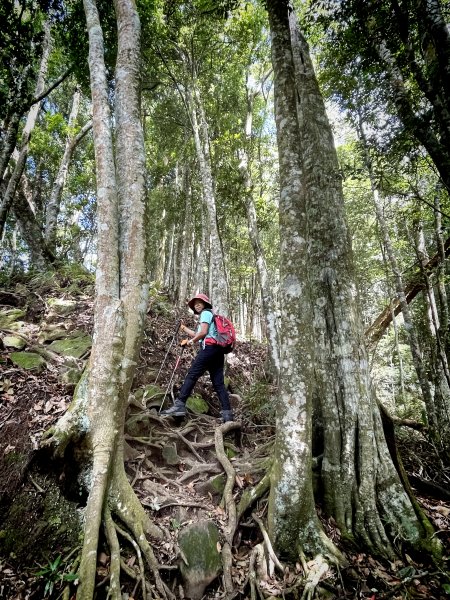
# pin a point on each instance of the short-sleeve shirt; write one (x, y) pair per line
(206, 316)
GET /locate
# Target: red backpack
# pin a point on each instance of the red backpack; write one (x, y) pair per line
(226, 334)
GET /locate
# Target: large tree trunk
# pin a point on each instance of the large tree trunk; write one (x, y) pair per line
(98, 409)
(362, 489)
(293, 521)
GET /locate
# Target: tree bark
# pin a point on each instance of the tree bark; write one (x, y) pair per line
(268, 300)
(186, 240)
(19, 167)
(362, 490)
(293, 522)
(41, 257)
(98, 410)
(72, 140)
(217, 271)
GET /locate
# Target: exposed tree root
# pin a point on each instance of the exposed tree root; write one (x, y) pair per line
(251, 495)
(115, 560)
(257, 570)
(228, 503)
(268, 545)
(316, 569)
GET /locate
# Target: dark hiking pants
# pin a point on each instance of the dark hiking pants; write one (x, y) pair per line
(211, 359)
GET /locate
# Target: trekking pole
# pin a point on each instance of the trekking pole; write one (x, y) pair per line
(178, 325)
(172, 376)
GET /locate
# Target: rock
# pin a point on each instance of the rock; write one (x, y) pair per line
(71, 377)
(197, 405)
(10, 315)
(148, 393)
(170, 455)
(50, 335)
(14, 341)
(199, 549)
(61, 307)
(27, 360)
(213, 486)
(75, 347)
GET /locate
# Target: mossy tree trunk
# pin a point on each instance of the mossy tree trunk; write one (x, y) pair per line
(95, 420)
(293, 520)
(323, 355)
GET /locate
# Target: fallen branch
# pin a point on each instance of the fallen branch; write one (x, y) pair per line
(203, 468)
(384, 319)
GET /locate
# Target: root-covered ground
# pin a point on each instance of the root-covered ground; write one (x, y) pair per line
(184, 471)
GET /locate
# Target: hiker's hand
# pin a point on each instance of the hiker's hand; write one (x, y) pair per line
(184, 342)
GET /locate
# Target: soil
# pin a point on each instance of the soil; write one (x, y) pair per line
(172, 464)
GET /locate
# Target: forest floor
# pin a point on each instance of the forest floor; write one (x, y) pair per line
(173, 466)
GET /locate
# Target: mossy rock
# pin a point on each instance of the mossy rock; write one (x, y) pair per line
(138, 425)
(27, 360)
(197, 405)
(214, 486)
(170, 455)
(75, 347)
(14, 341)
(9, 316)
(201, 558)
(71, 377)
(62, 307)
(149, 392)
(52, 334)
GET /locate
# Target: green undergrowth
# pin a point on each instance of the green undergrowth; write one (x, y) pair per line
(70, 278)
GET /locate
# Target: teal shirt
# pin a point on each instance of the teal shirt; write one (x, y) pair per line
(206, 316)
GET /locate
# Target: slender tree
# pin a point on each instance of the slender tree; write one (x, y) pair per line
(98, 410)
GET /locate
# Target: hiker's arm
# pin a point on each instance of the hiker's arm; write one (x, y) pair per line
(201, 334)
(190, 332)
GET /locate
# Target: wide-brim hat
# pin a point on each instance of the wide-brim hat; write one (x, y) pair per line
(203, 297)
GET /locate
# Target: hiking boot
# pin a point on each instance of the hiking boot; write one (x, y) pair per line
(227, 415)
(177, 410)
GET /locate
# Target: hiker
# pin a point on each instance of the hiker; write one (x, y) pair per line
(210, 358)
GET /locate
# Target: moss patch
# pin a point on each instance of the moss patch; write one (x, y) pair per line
(197, 405)
(14, 341)
(75, 347)
(198, 544)
(27, 360)
(61, 307)
(37, 523)
(10, 315)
